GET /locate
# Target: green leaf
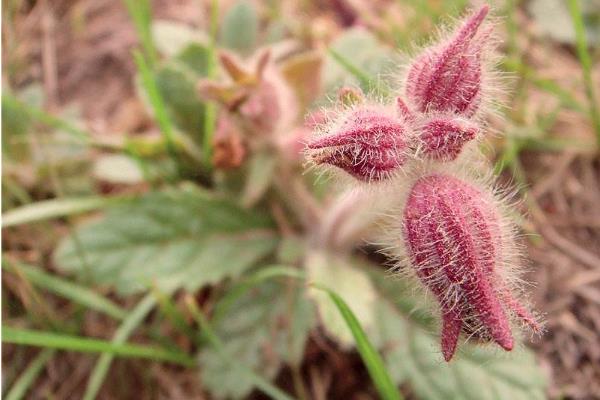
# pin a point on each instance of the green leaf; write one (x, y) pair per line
(89, 345)
(239, 29)
(179, 237)
(410, 346)
(177, 88)
(371, 358)
(196, 58)
(351, 284)
(266, 326)
(362, 49)
(261, 169)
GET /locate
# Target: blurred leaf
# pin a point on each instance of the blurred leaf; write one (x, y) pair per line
(303, 73)
(17, 119)
(239, 29)
(177, 88)
(117, 168)
(265, 327)
(196, 58)
(366, 53)
(351, 284)
(276, 32)
(261, 169)
(410, 347)
(291, 250)
(172, 37)
(178, 237)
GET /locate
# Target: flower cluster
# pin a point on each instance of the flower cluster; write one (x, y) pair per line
(433, 120)
(451, 230)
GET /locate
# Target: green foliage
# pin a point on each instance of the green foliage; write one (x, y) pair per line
(239, 28)
(267, 326)
(188, 237)
(178, 237)
(261, 170)
(177, 88)
(356, 57)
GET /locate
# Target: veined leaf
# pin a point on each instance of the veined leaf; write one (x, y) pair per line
(179, 237)
(266, 326)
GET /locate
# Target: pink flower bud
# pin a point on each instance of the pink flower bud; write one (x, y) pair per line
(367, 143)
(447, 77)
(443, 137)
(453, 235)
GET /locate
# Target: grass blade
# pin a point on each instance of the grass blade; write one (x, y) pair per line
(586, 63)
(135, 318)
(90, 345)
(383, 383)
(141, 14)
(69, 290)
(261, 383)
(157, 102)
(26, 379)
(55, 208)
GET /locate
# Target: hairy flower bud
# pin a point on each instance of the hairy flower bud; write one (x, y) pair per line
(447, 77)
(442, 137)
(453, 236)
(367, 143)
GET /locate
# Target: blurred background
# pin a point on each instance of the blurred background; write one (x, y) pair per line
(141, 205)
